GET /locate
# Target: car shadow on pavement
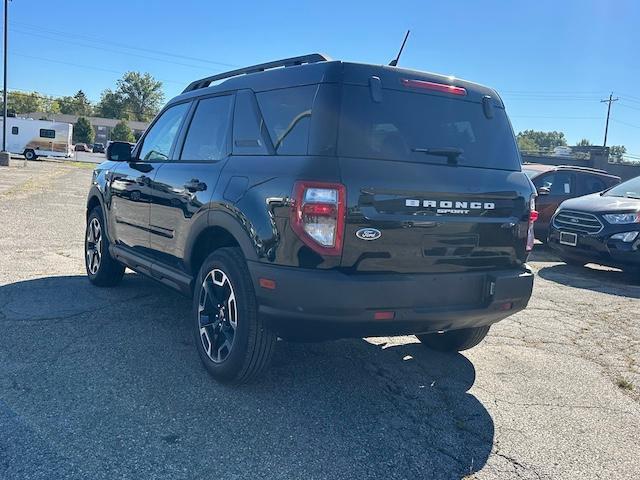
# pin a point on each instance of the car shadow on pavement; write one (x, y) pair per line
(108, 381)
(599, 279)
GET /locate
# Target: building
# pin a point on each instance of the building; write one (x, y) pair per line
(102, 126)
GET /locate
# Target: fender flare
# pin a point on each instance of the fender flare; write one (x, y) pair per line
(225, 220)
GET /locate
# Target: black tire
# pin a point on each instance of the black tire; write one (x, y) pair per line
(573, 262)
(454, 340)
(30, 155)
(107, 272)
(250, 343)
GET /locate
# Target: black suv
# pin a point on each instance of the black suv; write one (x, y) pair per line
(314, 199)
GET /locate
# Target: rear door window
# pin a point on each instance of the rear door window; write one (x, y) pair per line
(208, 135)
(590, 184)
(287, 114)
(404, 126)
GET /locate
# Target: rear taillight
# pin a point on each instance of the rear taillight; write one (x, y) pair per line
(533, 216)
(318, 215)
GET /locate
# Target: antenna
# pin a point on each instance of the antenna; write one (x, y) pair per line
(394, 62)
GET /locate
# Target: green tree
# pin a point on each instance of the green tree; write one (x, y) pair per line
(583, 143)
(616, 152)
(122, 132)
(112, 105)
(546, 141)
(78, 104)
(21, 102)
(141, 95)
(527, 145)
(83, 131)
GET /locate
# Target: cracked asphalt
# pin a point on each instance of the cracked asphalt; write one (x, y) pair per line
(106, 383)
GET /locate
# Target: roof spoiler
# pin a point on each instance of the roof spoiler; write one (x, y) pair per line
(286, 62)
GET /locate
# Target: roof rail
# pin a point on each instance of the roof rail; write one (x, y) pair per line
(586, 169)
(286, 62)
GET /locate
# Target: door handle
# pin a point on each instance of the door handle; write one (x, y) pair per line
(195, 185)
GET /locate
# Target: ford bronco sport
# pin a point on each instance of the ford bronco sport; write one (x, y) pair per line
(317, 199)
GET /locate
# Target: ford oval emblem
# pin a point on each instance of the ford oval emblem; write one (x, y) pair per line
(368, 234)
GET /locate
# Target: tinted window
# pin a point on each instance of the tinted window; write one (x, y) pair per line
(593, 184)
(208, 131)
(249, 135)
(558, 183)
(287, 114)
(14, 130)
(158, 141)
(404, 121)
(46, 133)
(630, 188)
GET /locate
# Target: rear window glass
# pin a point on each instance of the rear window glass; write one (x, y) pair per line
(404, 122)
(287, 114)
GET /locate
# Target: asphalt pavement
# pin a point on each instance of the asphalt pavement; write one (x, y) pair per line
(106, 383)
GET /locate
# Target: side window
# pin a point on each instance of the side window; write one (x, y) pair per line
(287, 114)
(159, 139)
(47, 133)
(14, 130)
(592, 184)
(558, 183)
(207, 138)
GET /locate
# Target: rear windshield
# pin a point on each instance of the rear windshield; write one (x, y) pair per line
(418, 127)
(629, 189)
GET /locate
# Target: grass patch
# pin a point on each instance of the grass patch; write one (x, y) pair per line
(624, 384)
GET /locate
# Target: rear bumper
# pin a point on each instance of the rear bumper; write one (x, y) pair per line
(332, 304)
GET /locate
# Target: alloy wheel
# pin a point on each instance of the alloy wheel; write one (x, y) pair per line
(94, 246)
(217, 315)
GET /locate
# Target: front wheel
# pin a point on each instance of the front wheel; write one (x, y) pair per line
(102, 269)
(454, 340)
(30, 155)
(233, 342)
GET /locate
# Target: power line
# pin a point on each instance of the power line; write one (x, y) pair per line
(103, 49)
(628, 106)
(101, 40)
(88, 67)
(625, 123)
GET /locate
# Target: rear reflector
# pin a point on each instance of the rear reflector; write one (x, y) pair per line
(268, 283)
(384, 315)
(438, 87)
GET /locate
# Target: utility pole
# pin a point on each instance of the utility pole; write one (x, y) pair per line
(610, 100)
(4, 155)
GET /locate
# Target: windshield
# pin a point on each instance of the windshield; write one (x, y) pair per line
(418, 127)
(630, 189)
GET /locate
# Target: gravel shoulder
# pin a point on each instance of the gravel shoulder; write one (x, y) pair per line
(106, 383)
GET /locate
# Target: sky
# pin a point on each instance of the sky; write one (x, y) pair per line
(551, 61)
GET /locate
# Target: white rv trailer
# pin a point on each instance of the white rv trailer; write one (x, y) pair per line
(38, 138)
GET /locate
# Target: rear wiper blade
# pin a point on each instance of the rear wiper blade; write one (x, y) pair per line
(452, 153)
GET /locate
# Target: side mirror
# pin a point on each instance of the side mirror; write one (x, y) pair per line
(544, 191)
(119, 152)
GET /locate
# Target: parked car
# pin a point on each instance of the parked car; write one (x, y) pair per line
(310, 198)
(82, 147)
(601, 228)
(98, 148)
(555, 184)
(562, 151)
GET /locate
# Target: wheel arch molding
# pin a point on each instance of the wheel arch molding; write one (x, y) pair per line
(220, 230)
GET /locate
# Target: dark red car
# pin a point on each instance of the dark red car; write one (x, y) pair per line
(555, 184)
